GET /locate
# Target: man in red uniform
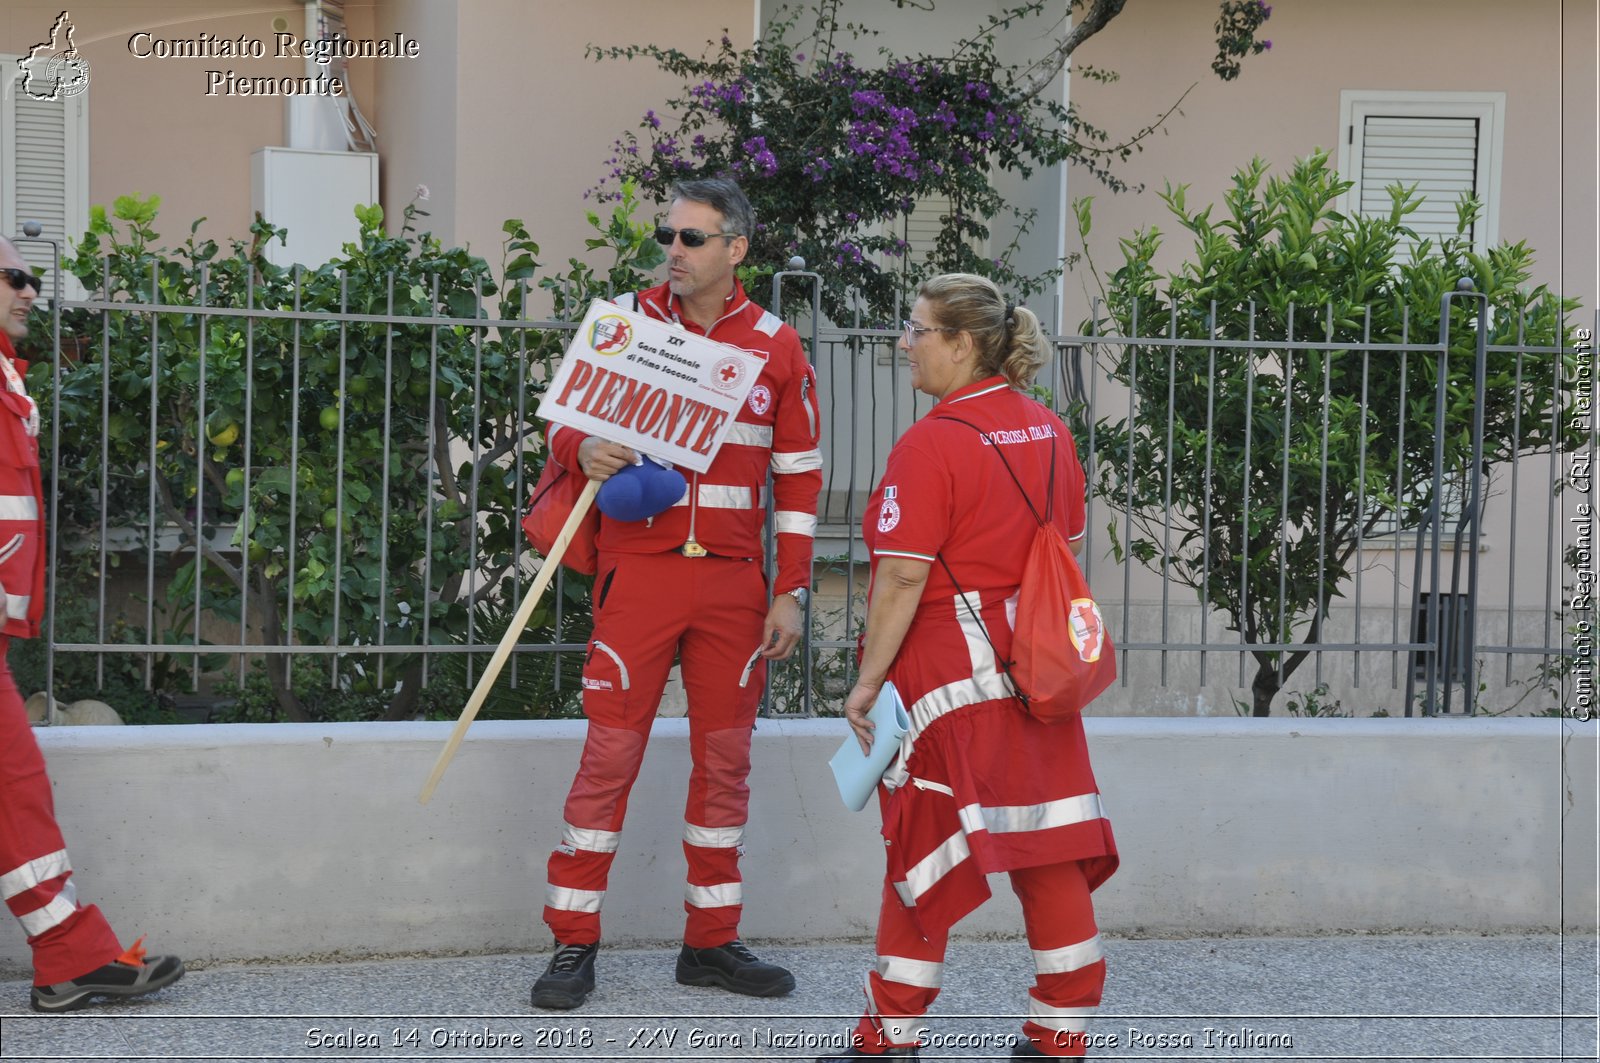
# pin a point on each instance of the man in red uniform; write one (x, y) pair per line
(688, 583)
(76, 957)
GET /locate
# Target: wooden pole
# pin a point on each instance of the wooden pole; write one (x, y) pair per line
(547, 572)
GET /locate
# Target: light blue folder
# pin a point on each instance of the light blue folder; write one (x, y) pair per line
(857, 773)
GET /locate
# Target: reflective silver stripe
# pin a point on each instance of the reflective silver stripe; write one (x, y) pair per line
(936, 865)
(794, 522)
(722, 895)
(987, 682)
(940, 700)
(718, 496)
(1068, 957)
(796, 461)
(714, 837)
(768, 323)
(19, 507)
(1067, 1020)
(898, 1030)
(590, 840)
(744, 434)
(901, 1032)
(924, 973)
(31, 874)
(750, 667)
(50, 916)
(17, 606)
(622, 669)
(1017, 819)
(726, 496)
(568, 900)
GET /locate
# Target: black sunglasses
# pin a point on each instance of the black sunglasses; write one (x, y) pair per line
(690, 237)
(21, 278)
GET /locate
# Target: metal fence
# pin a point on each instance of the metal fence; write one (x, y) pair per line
(1450, 599)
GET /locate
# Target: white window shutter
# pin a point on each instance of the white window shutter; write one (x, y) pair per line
(1437, 155)
(1446, 144)
(44, 168)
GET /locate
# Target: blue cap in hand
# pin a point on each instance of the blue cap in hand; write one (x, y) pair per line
(639, 492)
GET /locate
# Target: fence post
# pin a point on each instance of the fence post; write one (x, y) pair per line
(797, 268)
(1454, 637)
(31, 231)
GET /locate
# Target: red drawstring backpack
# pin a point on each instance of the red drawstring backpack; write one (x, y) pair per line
(548, 509)
(1061, 653)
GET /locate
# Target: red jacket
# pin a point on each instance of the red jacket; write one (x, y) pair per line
(777, 427)
(22, 552)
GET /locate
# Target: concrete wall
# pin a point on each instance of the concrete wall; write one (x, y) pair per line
(236, 841)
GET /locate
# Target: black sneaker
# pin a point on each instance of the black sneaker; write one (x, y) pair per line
(856, 1053)
(569, 979)
(734, 968)
(130, 975)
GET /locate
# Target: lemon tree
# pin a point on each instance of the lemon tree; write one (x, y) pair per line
(347, 482)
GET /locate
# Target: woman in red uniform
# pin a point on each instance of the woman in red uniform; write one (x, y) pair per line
(979, 786)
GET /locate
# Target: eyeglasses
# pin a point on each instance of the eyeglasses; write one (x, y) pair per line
(690, 237)
(913, 331)
(21, 278)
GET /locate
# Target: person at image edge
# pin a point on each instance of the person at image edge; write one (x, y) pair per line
(76, 957)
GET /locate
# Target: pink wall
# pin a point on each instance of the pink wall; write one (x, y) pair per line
(1540, 53)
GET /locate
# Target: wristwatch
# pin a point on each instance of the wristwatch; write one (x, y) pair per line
(801, 595)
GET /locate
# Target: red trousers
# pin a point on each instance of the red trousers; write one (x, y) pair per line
(711, 613)
(1070, 970)
(35, 876)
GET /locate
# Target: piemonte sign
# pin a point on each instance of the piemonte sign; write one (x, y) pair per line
(648, 384)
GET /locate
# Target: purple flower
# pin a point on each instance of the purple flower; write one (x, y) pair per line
(799, 57)
(760, 157)
(1266, 46)
(650, 117)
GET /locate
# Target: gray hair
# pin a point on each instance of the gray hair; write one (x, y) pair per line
(723, 196)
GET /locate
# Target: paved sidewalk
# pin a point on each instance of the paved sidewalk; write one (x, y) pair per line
(1333, 998)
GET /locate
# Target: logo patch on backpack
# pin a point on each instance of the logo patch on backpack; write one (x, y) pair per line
(1087, 628)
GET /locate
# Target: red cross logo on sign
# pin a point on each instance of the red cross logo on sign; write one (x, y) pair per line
(727, 374)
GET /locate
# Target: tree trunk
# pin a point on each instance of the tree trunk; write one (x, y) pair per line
(1265, 687)
(266, 607)
(403, 706)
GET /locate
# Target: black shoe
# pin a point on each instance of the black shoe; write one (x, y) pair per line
(856, 1053)
(1025, 1047)
(569, 979)
(131, 975)
(734, 968)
